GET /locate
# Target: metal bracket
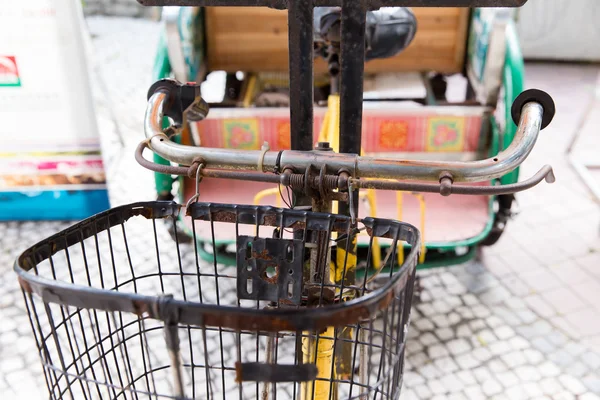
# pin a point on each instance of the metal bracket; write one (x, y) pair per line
(269, 269)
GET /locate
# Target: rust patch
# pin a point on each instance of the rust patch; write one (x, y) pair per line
(270, 220)
(25, 285)
(263, 255)
(238, 372)
(224, 216)
(139, 307)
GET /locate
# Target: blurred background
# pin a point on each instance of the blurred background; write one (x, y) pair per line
(519, 320)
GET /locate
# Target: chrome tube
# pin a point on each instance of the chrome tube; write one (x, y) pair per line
(362, 167)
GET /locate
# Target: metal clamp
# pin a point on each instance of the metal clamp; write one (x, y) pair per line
(198, 180)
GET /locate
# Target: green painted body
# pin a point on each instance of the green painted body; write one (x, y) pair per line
(445, 252)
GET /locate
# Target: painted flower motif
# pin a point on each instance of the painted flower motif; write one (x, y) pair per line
(445, 134)
(393, 135)
(240, 136)
(283, 135)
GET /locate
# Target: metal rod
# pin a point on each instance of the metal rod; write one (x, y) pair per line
(546, 173)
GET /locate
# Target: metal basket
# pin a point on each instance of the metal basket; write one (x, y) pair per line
(119, 310)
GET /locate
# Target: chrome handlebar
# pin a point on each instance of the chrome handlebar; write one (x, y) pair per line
(531, 108)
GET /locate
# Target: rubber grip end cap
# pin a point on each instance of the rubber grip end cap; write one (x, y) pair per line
(538, 96)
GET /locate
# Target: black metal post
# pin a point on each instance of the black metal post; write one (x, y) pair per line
(300, 21)
(352, 74)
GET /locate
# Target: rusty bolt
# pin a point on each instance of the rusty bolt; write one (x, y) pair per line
(323, 146)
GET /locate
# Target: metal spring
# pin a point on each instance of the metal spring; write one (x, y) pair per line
(328, 182)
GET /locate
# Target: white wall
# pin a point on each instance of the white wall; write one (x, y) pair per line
(560, 29)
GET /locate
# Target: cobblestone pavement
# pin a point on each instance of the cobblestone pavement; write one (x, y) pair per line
(521, 322)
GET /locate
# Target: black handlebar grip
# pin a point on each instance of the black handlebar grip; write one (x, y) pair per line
(538, 96)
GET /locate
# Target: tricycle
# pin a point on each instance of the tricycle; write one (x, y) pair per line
(303, 315)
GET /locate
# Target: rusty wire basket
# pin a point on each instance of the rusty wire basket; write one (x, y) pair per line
(120, 311)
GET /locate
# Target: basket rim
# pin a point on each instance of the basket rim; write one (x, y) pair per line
(164, 308)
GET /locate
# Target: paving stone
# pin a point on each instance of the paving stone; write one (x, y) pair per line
(413, 378)
(556, 337)
(486, 337)
(517, 287)
(465, 312)
(457, 289)
(457, 396)
(563, 300)
(466, 377)
(466, 361)
(591, 359)
(423, 325)
(514, 359)
(458, 346)
(444, 334)
(573, 385)
(446, 364)
(532, 389)
(491, 387)
(575, 349)
(454, 319)
(518, 343)
(561, 358)
(534, 357)
(494, 322)
(429, 371)
(422, 391)
(526, 316)
(437, 351)
(474, 393)
(508, 315)
(463, 331)
(585, 321)
(439, 397)
(515, 303)
(589, 396)
(499, 348)
(441, 307)
(470, 299)
(482, 354)
(428, 339)
(540, 305)
(578, 369)
(550, 386)
(451, 383)
(477, 325)
(441, 321)
(543, 345)
(516, 392)
(549, 369)
(426, 309)
(436, 386)
(481, 311)
(419, 359)
(528, 373)
(9, 364)
(408, 394)
(496, 366)
(507, 379)
(504, 332)
(564, 395)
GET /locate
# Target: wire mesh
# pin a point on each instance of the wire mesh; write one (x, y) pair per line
(119, 310)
